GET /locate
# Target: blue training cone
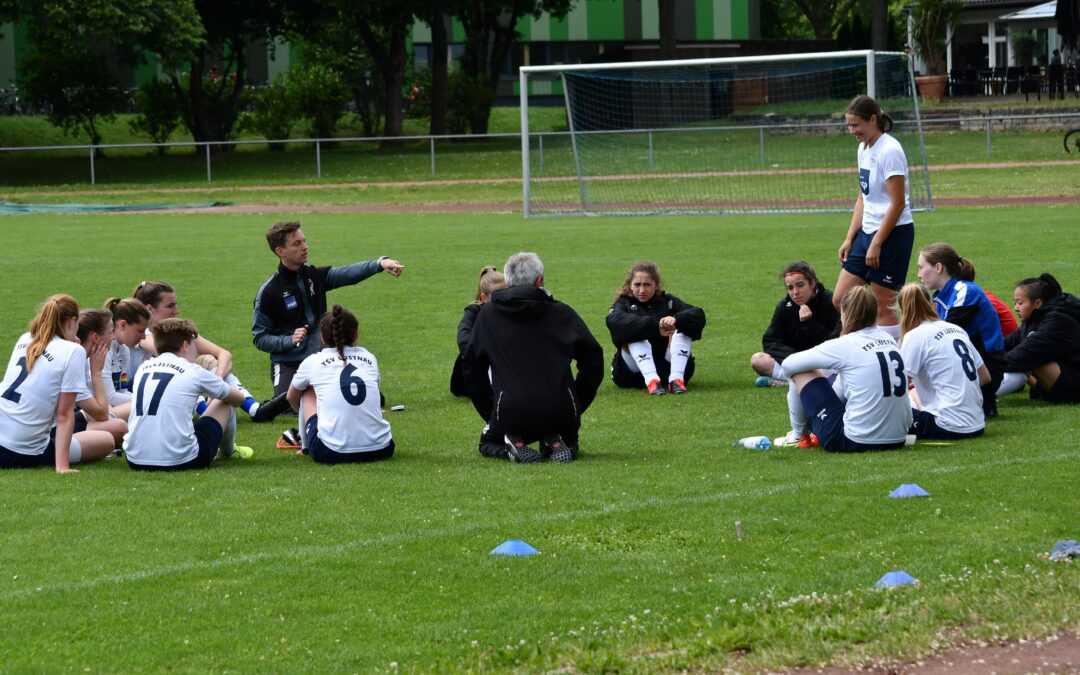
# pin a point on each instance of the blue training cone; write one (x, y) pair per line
(514, 547)
(909, 490)
(895, 578)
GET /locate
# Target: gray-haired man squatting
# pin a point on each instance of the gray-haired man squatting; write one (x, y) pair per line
(289, 306)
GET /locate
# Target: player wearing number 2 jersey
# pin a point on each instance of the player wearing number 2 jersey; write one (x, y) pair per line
(874, 412)
(336, 392)
(162, 436)
(945, 367)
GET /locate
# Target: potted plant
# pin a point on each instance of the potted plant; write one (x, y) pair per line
(933, 23)
(1023, 46)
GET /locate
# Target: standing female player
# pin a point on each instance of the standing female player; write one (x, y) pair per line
(336, 391)
(490, 281)
(1048, 342)
(963, 303)
(877, 249)
(160, 298)
(652, 331)
(945, 367)
(46, 370)
(875, 411)
(805, 318)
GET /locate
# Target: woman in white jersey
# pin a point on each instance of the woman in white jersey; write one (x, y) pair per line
(130, 319)
(867, 407)
(160, 298)
(945, 368)
(46, 371)
(95, 335)
(336, 391)
(877, 249)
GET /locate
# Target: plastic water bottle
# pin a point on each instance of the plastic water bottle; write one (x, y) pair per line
(754, 443)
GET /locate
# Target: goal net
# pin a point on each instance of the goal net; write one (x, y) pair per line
(736, 135)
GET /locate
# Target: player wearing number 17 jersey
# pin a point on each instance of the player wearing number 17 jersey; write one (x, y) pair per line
(161, 435)
(336, 392)
(946, 368)
(867, 408)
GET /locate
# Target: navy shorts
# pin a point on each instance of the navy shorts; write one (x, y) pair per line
(9, 459)
(924, 425)
(324, 455)
(207, 434)
(825, 417)
(1065, 390)
(895, 257)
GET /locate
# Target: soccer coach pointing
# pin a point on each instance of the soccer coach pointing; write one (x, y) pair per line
(289, 306)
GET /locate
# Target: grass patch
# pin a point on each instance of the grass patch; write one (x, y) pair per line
(280, 565)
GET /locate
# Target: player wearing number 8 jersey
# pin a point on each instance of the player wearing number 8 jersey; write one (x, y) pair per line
(867, 407)
(336, 392)
(945, 367)
(161, 435)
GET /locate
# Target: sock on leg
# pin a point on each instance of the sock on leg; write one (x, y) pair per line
(778, 372)
(796, 412)
(228, 435)
(643, 359)
(1011, 383)
(679, 355)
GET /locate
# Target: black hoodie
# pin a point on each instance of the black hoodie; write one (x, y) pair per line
(1052, 333)
(529, 339)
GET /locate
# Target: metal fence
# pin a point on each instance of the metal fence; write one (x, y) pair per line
(989, 122)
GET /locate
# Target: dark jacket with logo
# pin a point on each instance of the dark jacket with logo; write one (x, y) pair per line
(289, 300)
(629, 320)
(529, 339)
(787, 334)
(1052, 333)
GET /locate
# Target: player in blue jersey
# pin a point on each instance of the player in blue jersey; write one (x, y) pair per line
(877, 249)
(963, 303)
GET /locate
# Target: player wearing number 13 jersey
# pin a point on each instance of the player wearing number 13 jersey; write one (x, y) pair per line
(867, 407)
(946, 368)
(336, 391)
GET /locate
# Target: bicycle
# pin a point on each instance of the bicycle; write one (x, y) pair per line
(1073, 136)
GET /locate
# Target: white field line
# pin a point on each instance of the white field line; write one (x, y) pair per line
(307, 553)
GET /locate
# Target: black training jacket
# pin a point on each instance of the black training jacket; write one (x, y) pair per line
(1051, 334)
(787, 335)
(629, 320)
(529, 340)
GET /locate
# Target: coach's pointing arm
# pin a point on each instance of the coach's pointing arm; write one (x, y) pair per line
(347, 275)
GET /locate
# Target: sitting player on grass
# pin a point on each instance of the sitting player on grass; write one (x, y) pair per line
(805, 318)
(162, 436)
(336, 392)
(867, 406)
(652, 331)
(95, 335)
(490, 281)
(1047, 346)
(130, 319)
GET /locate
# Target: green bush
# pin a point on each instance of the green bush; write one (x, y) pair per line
(158, 115)
(466, 99)
(320, 94)
(275, 112)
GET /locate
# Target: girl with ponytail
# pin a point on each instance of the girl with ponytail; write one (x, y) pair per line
(130, 319)
(95, 335)
(46, 371)
(1048, 343)
(336, 392)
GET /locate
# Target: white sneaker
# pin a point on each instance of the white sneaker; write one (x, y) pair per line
(790, 440)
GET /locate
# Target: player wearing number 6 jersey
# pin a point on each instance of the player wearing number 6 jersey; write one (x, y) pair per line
(161, 435)
(336, 392)
(867, 408)
(945, 367)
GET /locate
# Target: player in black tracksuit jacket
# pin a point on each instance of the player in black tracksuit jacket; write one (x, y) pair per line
(528, 339)
(794, 329)
(1049, 336)
(490, 281)
(644, 313)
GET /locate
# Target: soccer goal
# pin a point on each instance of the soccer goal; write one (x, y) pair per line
(732, 135)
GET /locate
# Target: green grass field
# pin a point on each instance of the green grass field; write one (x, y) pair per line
(278, 565)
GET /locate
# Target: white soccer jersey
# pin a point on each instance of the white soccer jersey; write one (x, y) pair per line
(28, 400)
(161, 432)
(877, 409)
(349, 416)
(945, 367)
(118, 373)
(883, 160)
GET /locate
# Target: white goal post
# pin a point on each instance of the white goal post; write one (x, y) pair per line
(755, 134)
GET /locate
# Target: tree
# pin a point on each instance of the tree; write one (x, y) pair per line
(879, 24)
(825, 15)
(490, 30)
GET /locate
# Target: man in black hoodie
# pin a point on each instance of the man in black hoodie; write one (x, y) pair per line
(528, 339)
